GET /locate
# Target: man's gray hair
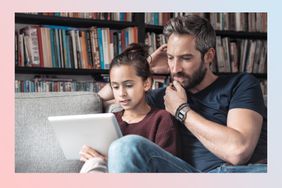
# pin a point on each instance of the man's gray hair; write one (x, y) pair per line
(198, 27)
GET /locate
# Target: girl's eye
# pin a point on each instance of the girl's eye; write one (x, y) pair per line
(129, 86)
(115, 87)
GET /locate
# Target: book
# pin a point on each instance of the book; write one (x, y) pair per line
(101, 49)
(31, 45)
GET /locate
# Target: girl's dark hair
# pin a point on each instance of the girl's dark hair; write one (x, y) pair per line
(135, 55)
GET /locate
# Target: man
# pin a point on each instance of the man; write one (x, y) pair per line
(222, 119)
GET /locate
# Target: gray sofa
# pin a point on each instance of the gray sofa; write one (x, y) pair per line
(36, 147)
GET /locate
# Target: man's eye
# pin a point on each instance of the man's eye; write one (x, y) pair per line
(129, 86)
(115, 87)
(169, 57)
(186, 58)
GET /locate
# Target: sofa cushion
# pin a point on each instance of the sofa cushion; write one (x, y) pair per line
(36, 147)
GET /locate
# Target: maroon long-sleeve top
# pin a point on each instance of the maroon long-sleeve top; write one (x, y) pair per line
(157, 126)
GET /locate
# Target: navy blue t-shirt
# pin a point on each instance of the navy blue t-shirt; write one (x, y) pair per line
(213, 103)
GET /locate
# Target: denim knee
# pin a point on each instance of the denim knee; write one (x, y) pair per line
(125, 145)
(124, 154)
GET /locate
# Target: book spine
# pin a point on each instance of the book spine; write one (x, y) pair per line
(53, 50)
(40, 46)
(100, 43)
(33, 47)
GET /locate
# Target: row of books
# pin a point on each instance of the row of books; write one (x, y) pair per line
(66, 47)
(240, 55)
(57, 85)
(249, 22)
(116, 16)
(235, 21)
(69, 85)
(154, 41)
(155, 18)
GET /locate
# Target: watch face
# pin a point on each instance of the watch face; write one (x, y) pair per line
(181, 115)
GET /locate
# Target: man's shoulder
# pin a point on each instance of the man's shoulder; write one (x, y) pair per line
(242, 77)
(246, 80)
(237, 81)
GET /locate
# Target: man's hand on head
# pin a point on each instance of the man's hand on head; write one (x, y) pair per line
(175, 95)
(158, 61)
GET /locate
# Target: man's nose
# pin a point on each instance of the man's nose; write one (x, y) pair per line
(176, 66)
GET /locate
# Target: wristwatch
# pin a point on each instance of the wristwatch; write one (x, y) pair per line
(181, 112)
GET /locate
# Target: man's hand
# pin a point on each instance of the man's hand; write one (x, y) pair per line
(158, 61)
(87, 152)
(175, 95)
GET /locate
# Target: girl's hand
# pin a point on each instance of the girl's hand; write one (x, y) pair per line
(87, 152)
(158, 61)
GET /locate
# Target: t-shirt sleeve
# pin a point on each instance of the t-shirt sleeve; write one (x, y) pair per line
(168, 135)
(247, 94)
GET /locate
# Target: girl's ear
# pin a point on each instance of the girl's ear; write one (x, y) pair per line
(148, 84)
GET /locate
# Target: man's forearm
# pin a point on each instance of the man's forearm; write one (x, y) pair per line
(225, 142)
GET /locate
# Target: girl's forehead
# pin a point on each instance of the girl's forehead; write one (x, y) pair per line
(123, 72)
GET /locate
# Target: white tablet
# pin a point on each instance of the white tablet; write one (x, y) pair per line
(95, 130)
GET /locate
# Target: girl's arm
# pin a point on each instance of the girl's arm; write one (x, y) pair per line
(94, 161)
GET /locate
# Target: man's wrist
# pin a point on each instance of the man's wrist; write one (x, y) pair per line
(182, 111)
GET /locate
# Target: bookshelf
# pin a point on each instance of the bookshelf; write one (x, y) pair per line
(138, 21)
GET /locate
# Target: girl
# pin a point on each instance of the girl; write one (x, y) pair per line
(130, 79)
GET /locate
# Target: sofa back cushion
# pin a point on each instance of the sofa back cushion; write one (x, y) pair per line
(36, 147)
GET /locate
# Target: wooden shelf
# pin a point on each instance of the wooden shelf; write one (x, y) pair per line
(59, 71)
(64, 71)
(94, 72)
(68, 21)
(242, 34)
(154, 28)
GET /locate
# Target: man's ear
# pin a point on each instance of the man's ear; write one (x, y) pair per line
(209, 56)
(148, 84)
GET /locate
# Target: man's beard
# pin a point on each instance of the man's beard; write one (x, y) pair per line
(193, 80)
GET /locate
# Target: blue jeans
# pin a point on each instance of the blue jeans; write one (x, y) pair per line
(134, 153)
